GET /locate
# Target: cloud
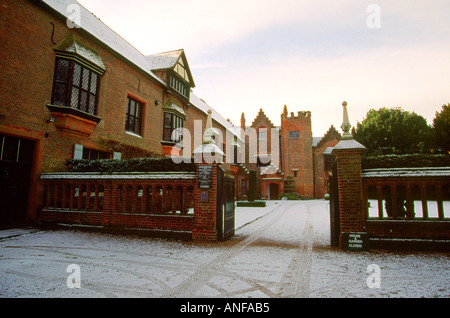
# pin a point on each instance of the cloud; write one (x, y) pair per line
(311, 55)
(371, 78)
(201, 26)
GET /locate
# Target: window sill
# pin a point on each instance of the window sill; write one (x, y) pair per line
(73, 111)
(73, 121)
(168, 143)
(133, 134)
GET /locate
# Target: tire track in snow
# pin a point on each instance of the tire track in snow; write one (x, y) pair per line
(216, 267)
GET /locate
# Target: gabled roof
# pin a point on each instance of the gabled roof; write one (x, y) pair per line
(262, 116)
(331, 134)
(168, 60)
(316, 140)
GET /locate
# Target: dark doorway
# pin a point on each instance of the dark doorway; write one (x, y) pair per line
(16, 157)
(273, 191)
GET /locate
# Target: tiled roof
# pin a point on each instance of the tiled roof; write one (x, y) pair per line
(163, 60)
(93, 25)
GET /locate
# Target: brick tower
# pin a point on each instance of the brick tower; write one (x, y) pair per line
(296, 148)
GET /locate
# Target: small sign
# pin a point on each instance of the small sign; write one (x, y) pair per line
(205, 174)
(204, 196)
(356, 241)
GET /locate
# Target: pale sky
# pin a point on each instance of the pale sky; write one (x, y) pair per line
(310, 55)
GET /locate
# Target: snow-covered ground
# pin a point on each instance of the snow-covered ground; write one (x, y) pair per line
(278, 251)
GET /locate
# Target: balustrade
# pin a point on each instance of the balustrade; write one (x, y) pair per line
(408, 196)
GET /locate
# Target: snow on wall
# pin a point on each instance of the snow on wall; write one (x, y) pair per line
(114, 175)
(406, 172)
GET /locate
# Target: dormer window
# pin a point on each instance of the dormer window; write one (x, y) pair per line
(179, 86)
(181, 70)
(179, 78)
(173, 68)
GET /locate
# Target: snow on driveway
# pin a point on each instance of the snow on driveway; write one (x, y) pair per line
(278, 251)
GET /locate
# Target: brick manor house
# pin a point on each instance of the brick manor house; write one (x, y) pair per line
(81, 91)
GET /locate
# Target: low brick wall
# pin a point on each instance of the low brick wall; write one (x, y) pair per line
(158, 202)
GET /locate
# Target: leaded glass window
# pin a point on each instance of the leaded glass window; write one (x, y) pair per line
(75, 85)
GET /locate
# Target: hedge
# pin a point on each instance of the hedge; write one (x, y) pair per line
(406, 161)
(258, 204)
(129, 165)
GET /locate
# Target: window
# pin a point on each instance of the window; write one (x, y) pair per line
(244, 187)
(14, 149)
(171, 122)
(236, 155)
(75, 86)
(179, 86)
(133, 116)
(92, 154)
(262, 134)
(294, 134)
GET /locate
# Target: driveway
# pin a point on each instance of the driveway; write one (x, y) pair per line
(279, 251)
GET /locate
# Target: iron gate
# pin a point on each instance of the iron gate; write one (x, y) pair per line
(225, 206)
(335, 223)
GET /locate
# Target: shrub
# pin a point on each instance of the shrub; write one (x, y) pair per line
(406, 161)
(252, 186)
(291, 196)
(259, 204)
(130, 165)
(289, 188)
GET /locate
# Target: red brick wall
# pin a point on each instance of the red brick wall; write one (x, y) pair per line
(28, 62)
(437, 230)
(350, 190)
(205, 226)
(321, 176)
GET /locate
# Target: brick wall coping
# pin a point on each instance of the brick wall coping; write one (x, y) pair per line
(119, 175)
(406, 172)
(404, 221)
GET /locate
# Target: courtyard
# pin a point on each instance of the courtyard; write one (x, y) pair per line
(280, 251)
